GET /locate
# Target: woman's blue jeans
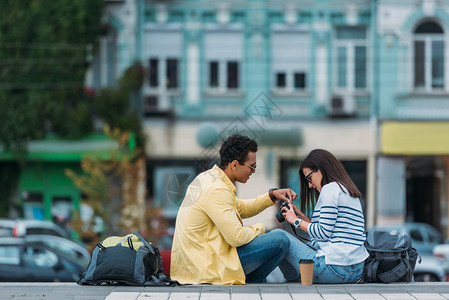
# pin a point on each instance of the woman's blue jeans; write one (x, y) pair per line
(263, 254)
(322, 273)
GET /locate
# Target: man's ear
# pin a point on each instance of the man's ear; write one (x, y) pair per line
(234, 164)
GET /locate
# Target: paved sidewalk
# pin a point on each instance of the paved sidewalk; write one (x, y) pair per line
(271, 291)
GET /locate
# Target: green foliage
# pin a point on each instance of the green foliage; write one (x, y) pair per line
(110, 104)
(113, 104)
(133, 77)
(9, 176)
(43, 64)
(111, 189)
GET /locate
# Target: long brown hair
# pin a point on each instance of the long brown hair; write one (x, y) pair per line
(331, 169)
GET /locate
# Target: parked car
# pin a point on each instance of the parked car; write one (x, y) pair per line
(22, 261)
(69, 247)
(424, 237)
(431, 268)
(21, 227)
(442, 251)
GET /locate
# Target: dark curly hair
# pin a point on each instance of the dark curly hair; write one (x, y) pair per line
(236, 147)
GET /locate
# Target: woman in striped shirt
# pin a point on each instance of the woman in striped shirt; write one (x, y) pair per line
(337, 226)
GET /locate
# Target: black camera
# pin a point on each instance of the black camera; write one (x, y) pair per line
(279, 215)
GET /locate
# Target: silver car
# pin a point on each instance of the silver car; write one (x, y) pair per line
(22, 227)
(68, 247)
(431, 268)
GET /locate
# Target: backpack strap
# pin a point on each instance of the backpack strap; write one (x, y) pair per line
(370, 269)
(145, 242)
(394, 274)
(160, 279)
(373, 270)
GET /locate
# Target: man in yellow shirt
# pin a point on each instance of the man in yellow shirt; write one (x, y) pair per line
(210, 243)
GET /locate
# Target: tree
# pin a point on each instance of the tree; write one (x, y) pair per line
(43, 63)
(111, 186)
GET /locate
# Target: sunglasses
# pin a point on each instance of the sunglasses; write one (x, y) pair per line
(309, 176)
(252, 167)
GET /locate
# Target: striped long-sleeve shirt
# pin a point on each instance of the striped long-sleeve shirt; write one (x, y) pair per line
(338, 226)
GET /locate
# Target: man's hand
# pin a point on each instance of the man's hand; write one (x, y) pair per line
(285, 194)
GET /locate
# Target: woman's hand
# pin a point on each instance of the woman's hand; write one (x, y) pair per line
(289, 214)
(300, 214)
(294, 213)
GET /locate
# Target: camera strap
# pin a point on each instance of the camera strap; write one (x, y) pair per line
(302, 239)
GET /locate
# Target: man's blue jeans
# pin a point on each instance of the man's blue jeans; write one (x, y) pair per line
(263, 254)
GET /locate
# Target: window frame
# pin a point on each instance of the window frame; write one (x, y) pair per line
(428, 39)
(290, 75)
(222, 76)
(350, 45)
(157, 52)
(222, 88)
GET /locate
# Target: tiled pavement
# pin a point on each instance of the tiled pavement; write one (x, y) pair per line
(271, 291)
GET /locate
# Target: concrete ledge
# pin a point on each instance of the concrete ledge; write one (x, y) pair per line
(270, 291)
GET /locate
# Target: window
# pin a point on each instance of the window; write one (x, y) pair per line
(290, 58)
(300, 81)
(33, 205)
(172, 73)
(9, 255)
(416, 235)
(170, 187)
(39, 258)
(162, 51)
(429, 56)
(104, 64)
(280, 80)
(223, 49)
(351, 58)
(213, 74)
(153, 72)
(233, 75)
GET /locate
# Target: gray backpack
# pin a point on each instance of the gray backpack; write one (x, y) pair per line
(129, 259)
(392, 257)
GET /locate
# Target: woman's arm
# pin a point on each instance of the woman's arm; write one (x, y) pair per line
(293, 214)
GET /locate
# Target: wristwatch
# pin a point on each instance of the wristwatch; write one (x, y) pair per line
(297, 223)
(270, 193)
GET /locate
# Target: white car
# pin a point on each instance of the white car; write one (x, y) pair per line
(431, 268)
(441, 251)
(22, 227)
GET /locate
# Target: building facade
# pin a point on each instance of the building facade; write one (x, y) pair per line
(413, 112)
(364, 79)
(294, 75)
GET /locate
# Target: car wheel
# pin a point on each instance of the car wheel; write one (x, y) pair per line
(426, 277)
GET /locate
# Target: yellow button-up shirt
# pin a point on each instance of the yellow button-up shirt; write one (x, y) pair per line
(209, 228)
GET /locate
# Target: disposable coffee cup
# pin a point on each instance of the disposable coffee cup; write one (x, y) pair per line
(306, 271)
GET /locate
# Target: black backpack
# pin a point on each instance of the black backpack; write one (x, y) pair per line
(391, 258)
(130, 260)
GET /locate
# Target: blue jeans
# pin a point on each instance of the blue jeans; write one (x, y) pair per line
(263, 254)
(322, 273)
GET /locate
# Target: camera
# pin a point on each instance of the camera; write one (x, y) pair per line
(279, 215)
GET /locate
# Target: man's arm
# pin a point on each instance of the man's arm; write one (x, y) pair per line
(251, 207)
(221, 210)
